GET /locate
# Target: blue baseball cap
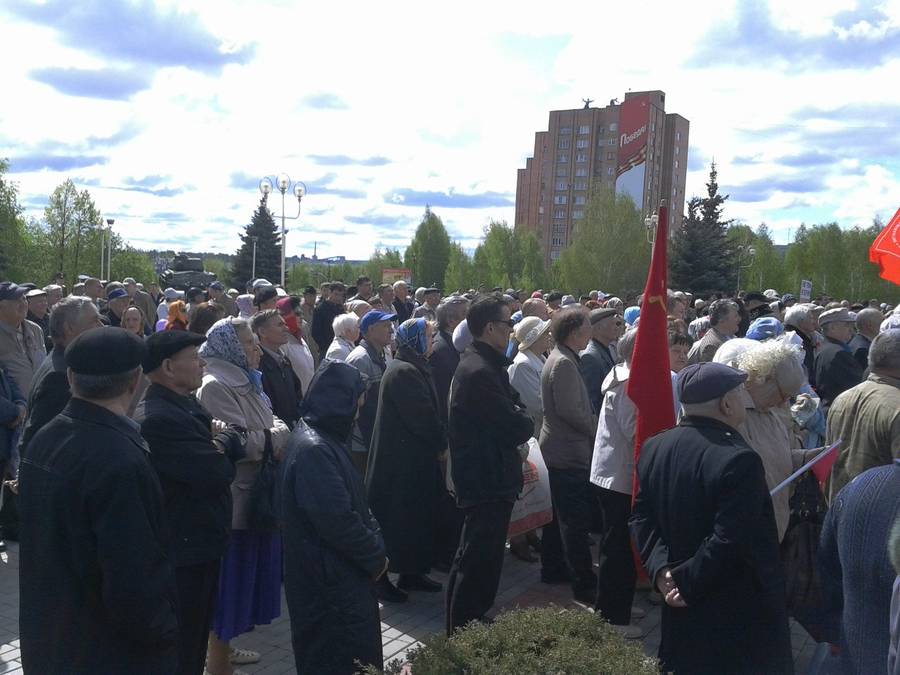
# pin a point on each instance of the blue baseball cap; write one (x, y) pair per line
(117, 293)
(764, 328)
(372, 317)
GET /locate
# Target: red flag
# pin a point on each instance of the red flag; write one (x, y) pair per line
(885, 250)
(822, 468)
(650, 381)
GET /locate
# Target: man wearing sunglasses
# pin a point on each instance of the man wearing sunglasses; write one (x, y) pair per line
(487, 424)
(597, 359)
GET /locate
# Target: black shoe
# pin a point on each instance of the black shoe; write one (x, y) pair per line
(418, 582)
(387, 592)
(555, 577)
(585, 596)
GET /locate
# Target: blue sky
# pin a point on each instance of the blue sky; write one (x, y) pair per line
(171, 112)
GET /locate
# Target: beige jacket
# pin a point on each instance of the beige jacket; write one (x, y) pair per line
(567, 433)
(228, 396)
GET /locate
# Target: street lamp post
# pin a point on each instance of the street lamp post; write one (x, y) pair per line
(102, 251)
(283, 183)
(743, 253)
(109, 223)
(253, 272)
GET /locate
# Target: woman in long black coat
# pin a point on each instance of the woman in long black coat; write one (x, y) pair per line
(403, 477)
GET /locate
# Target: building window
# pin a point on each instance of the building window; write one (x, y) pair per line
(610, 156)
(559, 213)
(584, 129)
(563, 143)
(581, 185)
(562, 185)
(559, 228)
(676, 163)
(613, 126)
(609, 171)
(554, 255)
(677, 150)
(562, 159)
(600, 130)
(579, 199)
(611, 142)
(674, 191)
(557, 241)
(581, 157)
(565, 131)
(562, 171)
(582, 143)
(560, 199)
(677, 135)
(581, 172)
(577, 214)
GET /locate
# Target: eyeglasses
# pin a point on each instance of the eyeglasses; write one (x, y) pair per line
(507, 322)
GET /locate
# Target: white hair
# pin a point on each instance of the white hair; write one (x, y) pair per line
(344, 323)
(399, 284)
(797, 314)
(765, 361)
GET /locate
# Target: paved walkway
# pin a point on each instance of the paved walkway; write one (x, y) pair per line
(403, 625)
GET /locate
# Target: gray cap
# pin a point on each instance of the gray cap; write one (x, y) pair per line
(707, 381)
(598, 315)
(841, 314)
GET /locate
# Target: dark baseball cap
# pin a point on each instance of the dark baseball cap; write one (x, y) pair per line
(11, 291)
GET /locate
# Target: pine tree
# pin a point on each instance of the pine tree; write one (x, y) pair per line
(701, 259)
(268, 250)
(429, 251)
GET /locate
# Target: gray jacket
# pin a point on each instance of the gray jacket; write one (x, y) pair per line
(569, 426)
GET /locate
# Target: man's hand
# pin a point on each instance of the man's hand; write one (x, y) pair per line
(665, 584)
(218, 426)
(384, 568)
(19, 418)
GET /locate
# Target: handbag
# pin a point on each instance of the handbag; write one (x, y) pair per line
(264, 515)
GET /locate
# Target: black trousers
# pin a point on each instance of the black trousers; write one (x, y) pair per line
(475, 575)
(197, 585)
(566, 543)
(617, 574)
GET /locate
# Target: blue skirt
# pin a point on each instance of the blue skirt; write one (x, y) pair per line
(249, 584)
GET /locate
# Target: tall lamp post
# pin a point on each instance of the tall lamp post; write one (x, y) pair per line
(109, 224)
(744, 253)
(253, 271)
(283, 183)
(102, 250)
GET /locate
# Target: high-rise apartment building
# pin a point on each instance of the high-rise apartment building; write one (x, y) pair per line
(632, 147)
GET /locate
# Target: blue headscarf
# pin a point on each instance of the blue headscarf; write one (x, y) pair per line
(413, 335)
(222, 343)
(632, 314)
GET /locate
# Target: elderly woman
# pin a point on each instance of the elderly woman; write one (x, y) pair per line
(774, 375)
(359, 307)
(533, 336)
(403, 475)
(346, 333)
(250, 578)
(297, 349)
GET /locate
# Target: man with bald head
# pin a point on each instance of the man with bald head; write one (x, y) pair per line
(868, 323)
(704, 526)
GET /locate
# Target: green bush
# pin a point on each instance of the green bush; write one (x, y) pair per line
(546, 640)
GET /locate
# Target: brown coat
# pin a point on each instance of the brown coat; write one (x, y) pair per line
(228, 396)
(569, 424)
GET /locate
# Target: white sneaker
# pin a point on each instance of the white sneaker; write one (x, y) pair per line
(637, 612)
(243, 656)
(630, 632)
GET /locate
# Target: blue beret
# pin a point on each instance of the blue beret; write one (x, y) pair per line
(105, 351)
(764, 328)
(372, 317)
(704, 382)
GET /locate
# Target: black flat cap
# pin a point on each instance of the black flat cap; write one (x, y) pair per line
(167, 343)
(600, 314)
(105, 351)
(310, 290)
(704, 382)
(11, 291)
(264, 294)
(432, 290)
(554, 296)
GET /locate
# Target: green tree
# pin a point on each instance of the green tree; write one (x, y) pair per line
(458, 276)
(534, 273)
(390, 259)
(609, 251)
(262, 229)
(701, 260)
(13, 237)
(429, 251)
(72, 223)
(130, 262)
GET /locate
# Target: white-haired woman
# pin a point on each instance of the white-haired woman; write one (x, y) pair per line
(346, 333)
(774, 376)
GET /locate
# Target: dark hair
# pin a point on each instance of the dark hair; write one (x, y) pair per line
(676, 338)
(295, 302)
(204, 316)
(103, 387)
(260, 319)
(720, 309)
(363, 280)
(194, 292)
(338, 286)
(565, 322)
(483, 311)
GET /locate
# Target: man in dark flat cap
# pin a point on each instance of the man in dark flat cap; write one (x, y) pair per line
(194, 457)
(97, 589)
(836, 369)
(597, 359)
(705, 529)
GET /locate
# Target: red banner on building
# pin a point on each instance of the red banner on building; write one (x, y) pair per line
(634, 129)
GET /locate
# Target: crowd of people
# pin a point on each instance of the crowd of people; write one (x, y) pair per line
(172, 458)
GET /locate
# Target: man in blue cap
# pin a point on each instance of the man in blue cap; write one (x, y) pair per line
(117, 302)
(705, 529)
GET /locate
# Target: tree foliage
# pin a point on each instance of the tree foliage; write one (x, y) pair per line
(378, 262)
(268, 250)
(610, 251)
(429, 252)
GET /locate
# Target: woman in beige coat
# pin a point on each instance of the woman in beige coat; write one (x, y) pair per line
(250, 578)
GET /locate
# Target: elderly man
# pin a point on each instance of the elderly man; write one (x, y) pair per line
(801, 319)
(597, 359)
(325, 313)
(94, 290)
(430, 300)
(143, 301)
(403, 306)
(117, 302)
(218, 296)
(724, 319)
(97, 584)
(705, 530)
(22, 347)
(279, 381)
(867, 417)
(836, 368)
(444, 357)
(363, 289)
(54, 294)
(38, 313)
(50, 387)
(567, 439)
(868, 324)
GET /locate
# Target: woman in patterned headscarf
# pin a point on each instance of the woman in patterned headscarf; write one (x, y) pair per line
(250, 582)
(403, 478)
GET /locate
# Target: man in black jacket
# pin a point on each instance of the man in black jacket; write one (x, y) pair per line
(596, 360)
(96, 581)
(403, 306)
(323, 316)
(801, 320)
(486, 427)
(836, 368)
(333, 549)
(280, 383)
(194, 458)
(704, 526)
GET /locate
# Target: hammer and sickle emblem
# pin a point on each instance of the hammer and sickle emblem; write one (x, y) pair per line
(656, 298)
